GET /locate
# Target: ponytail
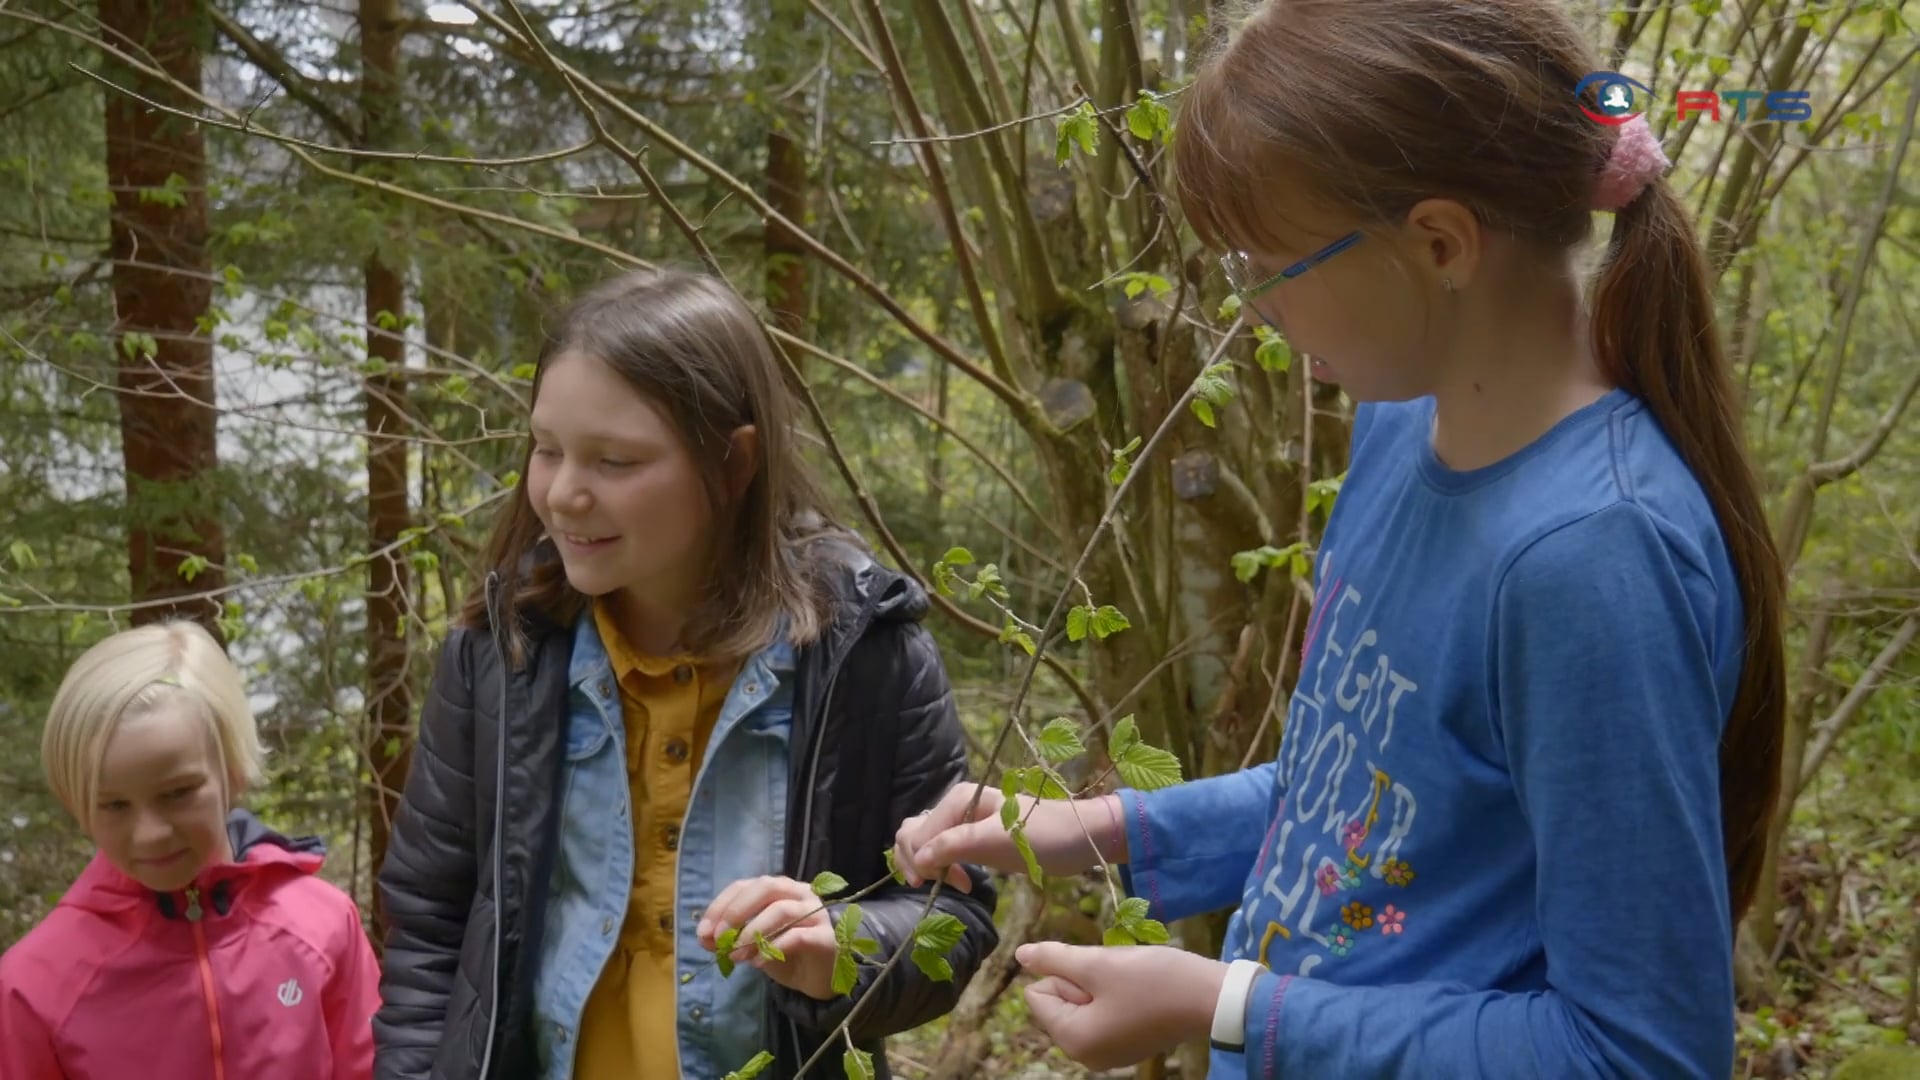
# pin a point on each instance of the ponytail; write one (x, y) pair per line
(1654, 336)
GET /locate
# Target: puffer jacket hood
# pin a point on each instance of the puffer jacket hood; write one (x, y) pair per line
(259, 968)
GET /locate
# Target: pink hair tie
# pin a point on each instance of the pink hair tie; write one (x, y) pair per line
(1635, 161)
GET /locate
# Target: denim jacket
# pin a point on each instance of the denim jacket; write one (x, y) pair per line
(734, 828)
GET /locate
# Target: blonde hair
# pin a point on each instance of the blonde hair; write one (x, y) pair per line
(132, 673)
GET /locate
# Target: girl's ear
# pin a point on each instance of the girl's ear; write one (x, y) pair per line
(1446, 240)
(743, 460)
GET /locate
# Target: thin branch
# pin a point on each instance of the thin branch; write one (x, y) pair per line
(1832, 727)
(1826, 472)
(833, 259)
(253, 584)
(300, 149)
(851, 38)
(297, 86)
(965, 135)
(979, 452)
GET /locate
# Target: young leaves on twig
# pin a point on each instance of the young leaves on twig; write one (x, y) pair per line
(1103, 621)
(1212, 391)
(846, 962)
(1060, 741)
(1081, 128)
(1131, 926)
(933, 939)
(1141, 767)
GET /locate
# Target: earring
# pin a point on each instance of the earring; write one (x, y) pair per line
(1446, 283)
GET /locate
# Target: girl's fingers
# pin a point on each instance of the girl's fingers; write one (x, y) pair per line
(741, 901)
(772, 918)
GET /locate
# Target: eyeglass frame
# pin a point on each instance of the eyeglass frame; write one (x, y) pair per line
(1227, 263)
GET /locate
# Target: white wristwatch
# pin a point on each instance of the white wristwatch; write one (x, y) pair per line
(1230, 1011)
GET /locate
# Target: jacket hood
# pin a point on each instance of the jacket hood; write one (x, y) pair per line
(874, 593)
(258, 851)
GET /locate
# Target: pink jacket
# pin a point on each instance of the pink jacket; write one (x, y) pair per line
(262, 970)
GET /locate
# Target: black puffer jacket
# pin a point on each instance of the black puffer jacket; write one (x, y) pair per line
(876, 739)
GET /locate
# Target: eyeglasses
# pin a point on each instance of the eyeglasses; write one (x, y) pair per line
(1239, 269)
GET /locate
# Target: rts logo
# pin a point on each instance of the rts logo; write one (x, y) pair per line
(1618, 98)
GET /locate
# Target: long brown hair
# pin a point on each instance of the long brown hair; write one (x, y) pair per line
(691, 345)
(1366, 107)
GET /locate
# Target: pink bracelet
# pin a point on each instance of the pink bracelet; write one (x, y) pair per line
(1113, 815)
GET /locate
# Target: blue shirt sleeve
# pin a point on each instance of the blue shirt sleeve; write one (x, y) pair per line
(1190, 846)
(1610, 713)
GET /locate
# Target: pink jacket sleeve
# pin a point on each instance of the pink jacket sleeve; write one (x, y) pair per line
(351, 1000)
(26, 1045)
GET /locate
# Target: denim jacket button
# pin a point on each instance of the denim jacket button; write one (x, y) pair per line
(560, 1033)
(696, 1012)
(753, 688)
(606, 688)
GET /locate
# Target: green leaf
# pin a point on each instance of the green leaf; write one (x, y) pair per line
(768, 950)
(524, 371)
(893, 869)
(1203, 410)
(1010, 809)
(1133, 926)
(828, 883)
(987, 583)
(1020, 842)
(22, 555)
(1230, 307)
(857, 1064)
(933, 938)
(1146, 768)
(1719, 65)
(1148, 119)
(1077, 622)
(1273, 354)
(1211, 385)
(1126, 735)
(957, 556)
(846, 936)
(1060, 740)
(1011, 632)
(846, 972)
(1080, 127)
(1037, 781)
(723, 947)
(193, 566)
(1109, 620)
(754, 1067)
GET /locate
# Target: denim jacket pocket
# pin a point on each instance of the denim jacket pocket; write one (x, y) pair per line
(587, 729)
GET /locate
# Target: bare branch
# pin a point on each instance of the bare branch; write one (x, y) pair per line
(1831, 728)
(295, 84)
(1012, 397)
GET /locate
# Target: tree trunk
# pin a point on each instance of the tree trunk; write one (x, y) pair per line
(156, 169)
(389, 697)
(786, 194)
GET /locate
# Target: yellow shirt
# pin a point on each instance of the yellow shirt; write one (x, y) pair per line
(669, 706)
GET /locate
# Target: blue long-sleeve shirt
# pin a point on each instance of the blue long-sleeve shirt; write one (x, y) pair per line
(1490, 846)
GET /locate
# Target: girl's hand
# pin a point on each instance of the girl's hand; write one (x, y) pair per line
(1108, 1006)
(763, 905)
(1059, 831)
